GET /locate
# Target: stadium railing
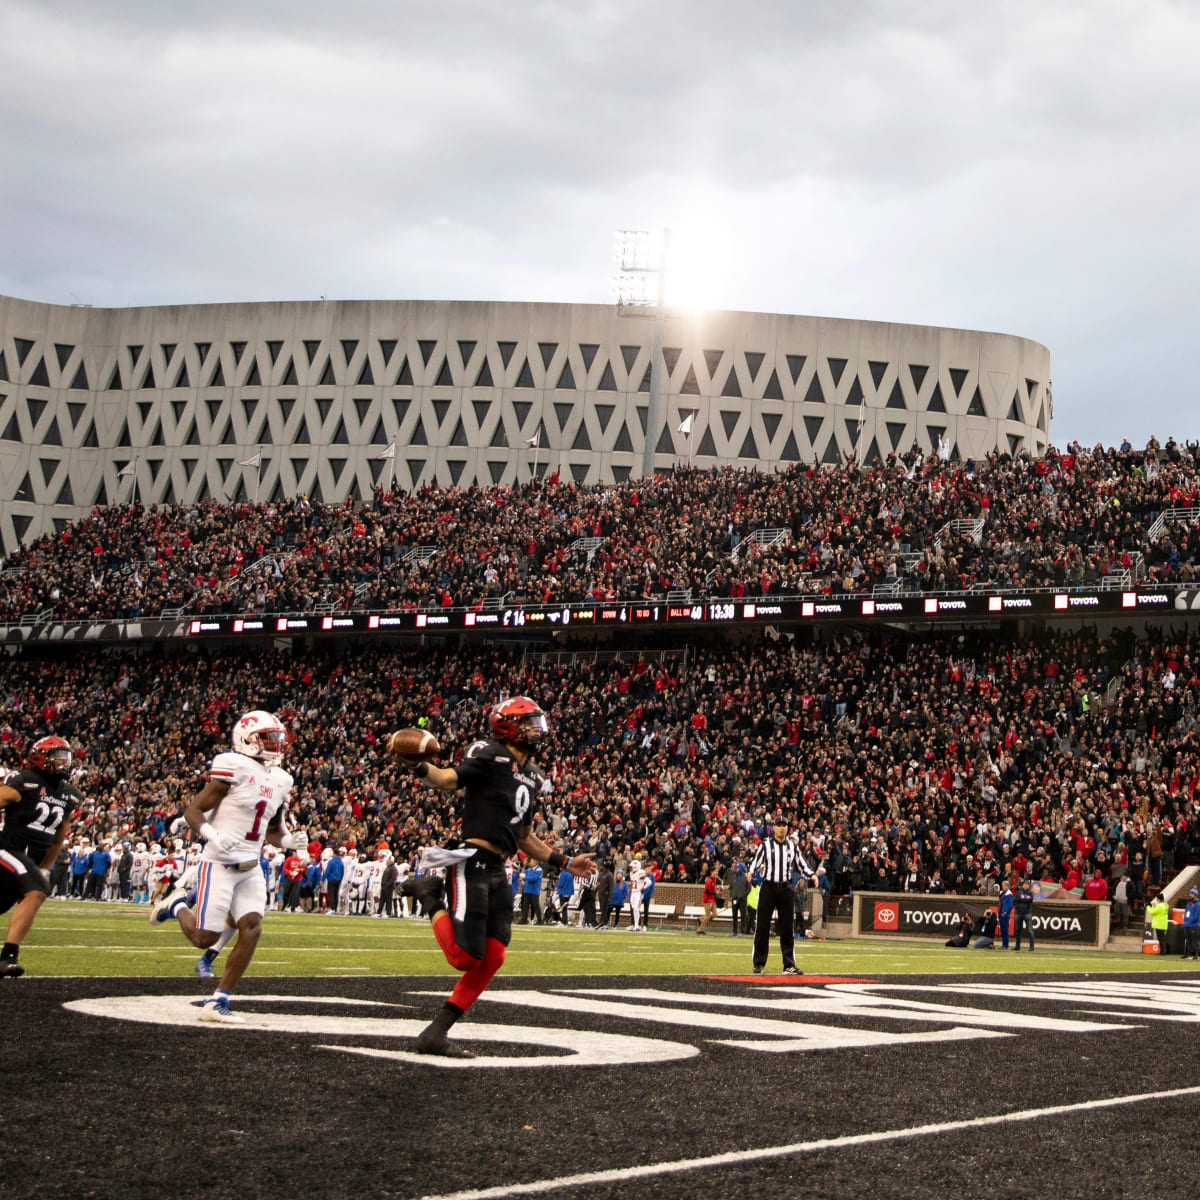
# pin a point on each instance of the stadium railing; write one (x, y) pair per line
(1172, 516)
(760, 539)
(973, 527)
(584, 545)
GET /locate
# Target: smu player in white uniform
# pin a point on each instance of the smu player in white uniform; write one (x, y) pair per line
(637, 886)
(358, 886)
(374, 880)
(242, 804)
(142, 863)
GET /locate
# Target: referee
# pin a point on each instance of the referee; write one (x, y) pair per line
(776, 861)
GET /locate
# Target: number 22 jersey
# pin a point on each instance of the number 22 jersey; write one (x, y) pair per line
(256, 793)
(31, 823)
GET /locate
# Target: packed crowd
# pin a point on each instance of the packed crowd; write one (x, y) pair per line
(1066, 519)
(902, 763)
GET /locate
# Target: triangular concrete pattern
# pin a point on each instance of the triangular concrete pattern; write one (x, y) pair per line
(189, 353)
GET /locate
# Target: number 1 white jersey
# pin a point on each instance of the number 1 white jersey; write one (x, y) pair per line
(256, 793)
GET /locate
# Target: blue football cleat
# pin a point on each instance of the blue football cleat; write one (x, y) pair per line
(203, 968)
(164, 910)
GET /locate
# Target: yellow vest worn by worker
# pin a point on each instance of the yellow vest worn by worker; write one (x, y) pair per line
(1159, 911)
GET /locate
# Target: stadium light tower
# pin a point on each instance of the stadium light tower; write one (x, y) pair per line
(643, 273)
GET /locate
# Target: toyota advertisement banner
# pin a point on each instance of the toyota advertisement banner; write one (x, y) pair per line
(1076, 921)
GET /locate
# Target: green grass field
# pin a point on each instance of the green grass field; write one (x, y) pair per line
(114, 939)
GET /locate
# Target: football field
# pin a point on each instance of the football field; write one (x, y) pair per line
(115, 939)
(605, 1062)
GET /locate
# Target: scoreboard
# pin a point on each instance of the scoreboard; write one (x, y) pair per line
(727, 612)
(920, 609)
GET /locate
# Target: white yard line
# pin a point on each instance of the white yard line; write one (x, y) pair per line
(43, 947)
(736, 1157)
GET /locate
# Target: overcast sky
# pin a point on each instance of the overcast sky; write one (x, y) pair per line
(1027, 168)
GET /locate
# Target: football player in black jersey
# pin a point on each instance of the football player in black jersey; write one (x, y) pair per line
(471, 902)
(37, 804)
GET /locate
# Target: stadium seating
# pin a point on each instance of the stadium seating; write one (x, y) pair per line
(903, 761)
(1078, 517)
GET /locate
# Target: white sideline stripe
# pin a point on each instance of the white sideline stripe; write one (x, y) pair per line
(735, 1157)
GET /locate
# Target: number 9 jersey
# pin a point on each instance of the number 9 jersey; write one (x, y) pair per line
(256, 794)
(498, 794)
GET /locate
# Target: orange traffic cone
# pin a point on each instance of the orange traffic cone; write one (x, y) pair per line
(1150, 942)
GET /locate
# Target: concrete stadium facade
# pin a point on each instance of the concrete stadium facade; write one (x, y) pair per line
(175, 399)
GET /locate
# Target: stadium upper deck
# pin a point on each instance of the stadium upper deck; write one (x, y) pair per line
(274, 401)
(914, 524)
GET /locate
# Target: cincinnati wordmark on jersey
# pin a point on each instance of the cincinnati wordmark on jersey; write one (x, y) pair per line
(32, 822)
(498, 794)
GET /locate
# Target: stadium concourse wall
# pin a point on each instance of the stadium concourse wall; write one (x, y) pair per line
(172, 403)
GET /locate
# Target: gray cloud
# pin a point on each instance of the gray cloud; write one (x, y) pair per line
(1027, 168)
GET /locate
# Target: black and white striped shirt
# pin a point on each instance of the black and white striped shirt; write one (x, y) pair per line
(776, 861)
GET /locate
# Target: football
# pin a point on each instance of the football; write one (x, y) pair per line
(414, 743)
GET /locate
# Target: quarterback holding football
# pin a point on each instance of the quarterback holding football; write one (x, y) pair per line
(467, 896)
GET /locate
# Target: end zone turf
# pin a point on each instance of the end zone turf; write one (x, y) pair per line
(769, 1091)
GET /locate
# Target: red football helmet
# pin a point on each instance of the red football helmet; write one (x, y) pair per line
(519, 722)
(50, 756)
